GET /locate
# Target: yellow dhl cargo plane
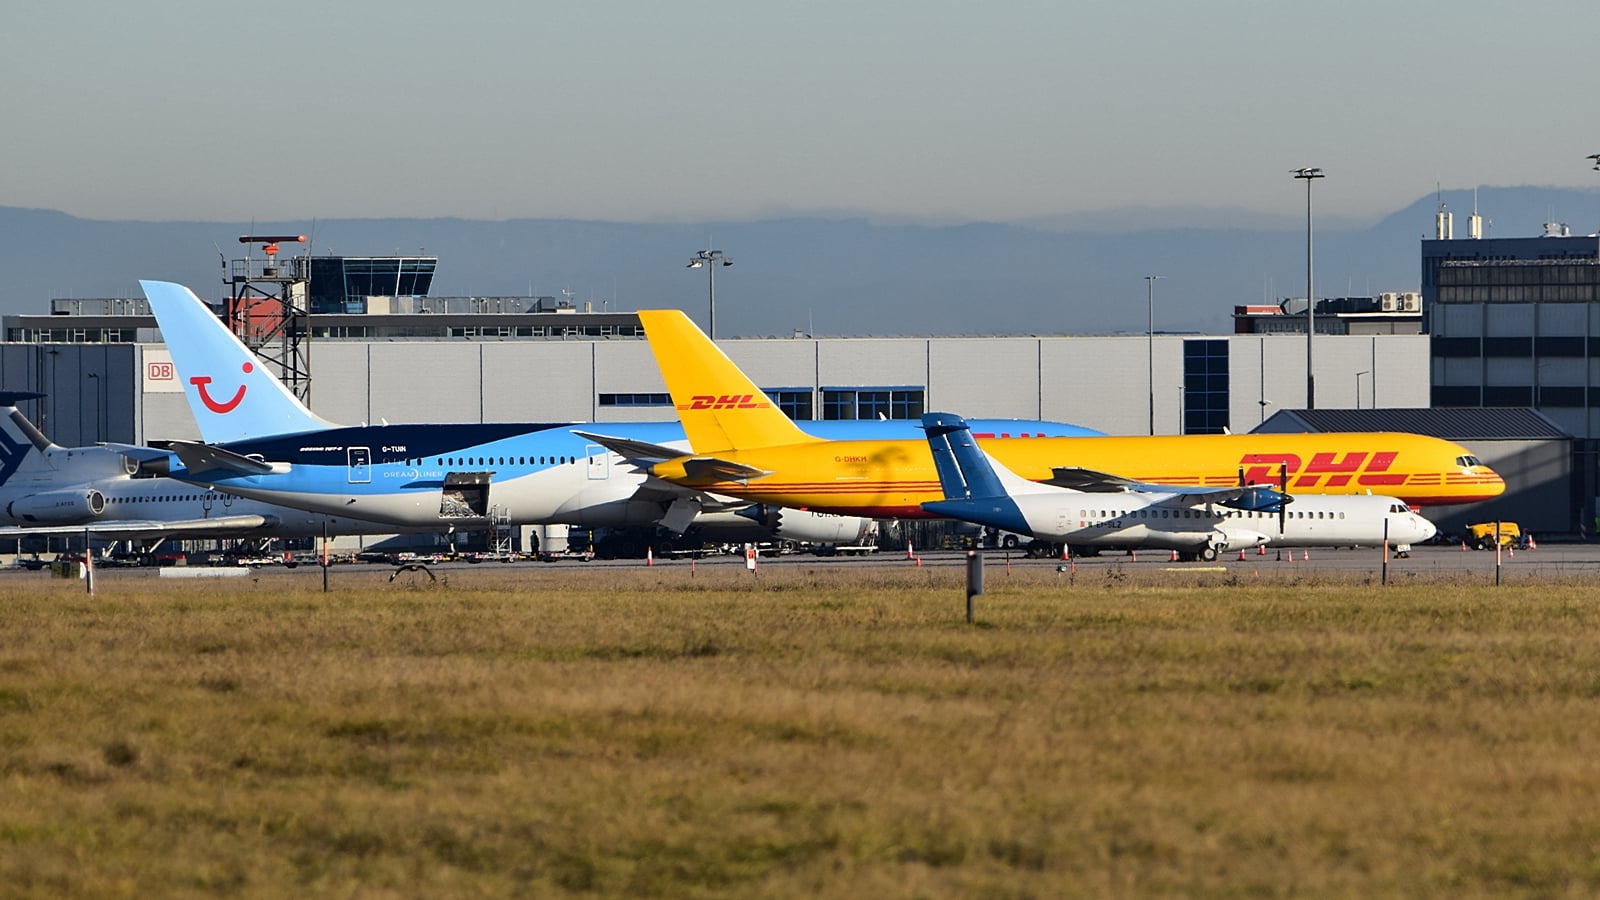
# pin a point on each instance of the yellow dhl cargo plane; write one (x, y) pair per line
(745, 446)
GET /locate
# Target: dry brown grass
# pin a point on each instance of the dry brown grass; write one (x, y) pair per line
(812, 732)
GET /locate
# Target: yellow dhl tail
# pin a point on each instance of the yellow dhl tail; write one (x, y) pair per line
(721, 408)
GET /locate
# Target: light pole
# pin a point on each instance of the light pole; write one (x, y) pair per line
(1309, 174)
(709, 260)
(1358, 390)
(1150, 342)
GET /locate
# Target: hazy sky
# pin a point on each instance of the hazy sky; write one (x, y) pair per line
(686, 111)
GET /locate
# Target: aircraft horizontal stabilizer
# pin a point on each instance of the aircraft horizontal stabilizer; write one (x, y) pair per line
(197, 457)
(706, 468)
(139, 452)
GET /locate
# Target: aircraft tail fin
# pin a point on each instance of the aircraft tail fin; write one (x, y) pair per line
(965, 472)
(975, 488)
(233, 396)
(720, 407)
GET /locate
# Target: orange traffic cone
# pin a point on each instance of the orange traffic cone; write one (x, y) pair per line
(1174, 556)
(909, 554)
(1261, 549)
(1305, 555)
(1531, 544)
(1241, 554)
(1463, 545)
(649, 556)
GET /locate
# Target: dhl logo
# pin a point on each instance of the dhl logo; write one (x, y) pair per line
(1368, 469)
(726, 401)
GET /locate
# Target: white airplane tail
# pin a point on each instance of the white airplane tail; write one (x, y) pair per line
(233, 396)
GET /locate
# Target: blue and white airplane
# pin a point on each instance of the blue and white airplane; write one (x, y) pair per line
(259, 441)
(1195, 521)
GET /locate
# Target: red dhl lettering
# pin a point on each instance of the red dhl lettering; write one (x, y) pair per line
(1369, 470)
(725, 401)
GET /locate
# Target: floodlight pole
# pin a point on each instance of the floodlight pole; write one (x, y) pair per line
(1150, 342)
(709, 260)
(1309, 174)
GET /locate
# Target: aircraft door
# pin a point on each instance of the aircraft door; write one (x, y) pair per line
(359, 461)
(599, 462)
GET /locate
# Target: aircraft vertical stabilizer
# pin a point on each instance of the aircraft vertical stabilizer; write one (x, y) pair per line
(974, 489)
(232, 394)
(721, 408)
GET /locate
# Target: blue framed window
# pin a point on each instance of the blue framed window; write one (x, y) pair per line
(901, 403)
(635, 400)
(1205, 387)
(796, 403)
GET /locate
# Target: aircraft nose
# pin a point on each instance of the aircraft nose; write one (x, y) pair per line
(1427, 528)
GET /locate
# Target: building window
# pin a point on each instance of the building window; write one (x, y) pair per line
(1508, 396)
(1458, 347)
(796, 403)
(1467, 395)
(635, 400)
(1205, 387)
(873, 403)
(1516, 347)
(1566, 397)
(1559, 346)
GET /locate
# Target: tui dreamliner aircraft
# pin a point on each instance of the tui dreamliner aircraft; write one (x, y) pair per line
(1198, 522)
(259, 441)
(751, 449)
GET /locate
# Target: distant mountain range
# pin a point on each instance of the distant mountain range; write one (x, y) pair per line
(1074, 274)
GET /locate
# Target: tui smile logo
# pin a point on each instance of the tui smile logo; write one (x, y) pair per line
(227, 406)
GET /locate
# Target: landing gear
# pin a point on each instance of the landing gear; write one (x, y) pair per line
(1208, 553)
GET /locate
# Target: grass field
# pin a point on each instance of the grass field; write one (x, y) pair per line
(640, 732)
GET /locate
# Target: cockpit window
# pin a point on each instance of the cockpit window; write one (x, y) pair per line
(1399, 508)
(1468, 461)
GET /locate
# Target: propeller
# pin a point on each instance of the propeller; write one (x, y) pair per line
(1283, 488)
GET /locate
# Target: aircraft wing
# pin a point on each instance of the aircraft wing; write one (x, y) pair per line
(698, 468)
(1259, 497)
(150, 527)
(198, 457)
(657, 490)
(631, 450)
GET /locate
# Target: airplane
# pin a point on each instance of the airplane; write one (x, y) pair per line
(1197, 522)
(47, 489)
(259, 441)
(750, 449)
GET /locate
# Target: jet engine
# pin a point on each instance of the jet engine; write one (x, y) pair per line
(58, 507)
(802, 525)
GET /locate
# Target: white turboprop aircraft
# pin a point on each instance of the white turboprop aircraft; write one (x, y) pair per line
(1196, 522)
(47, 489)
